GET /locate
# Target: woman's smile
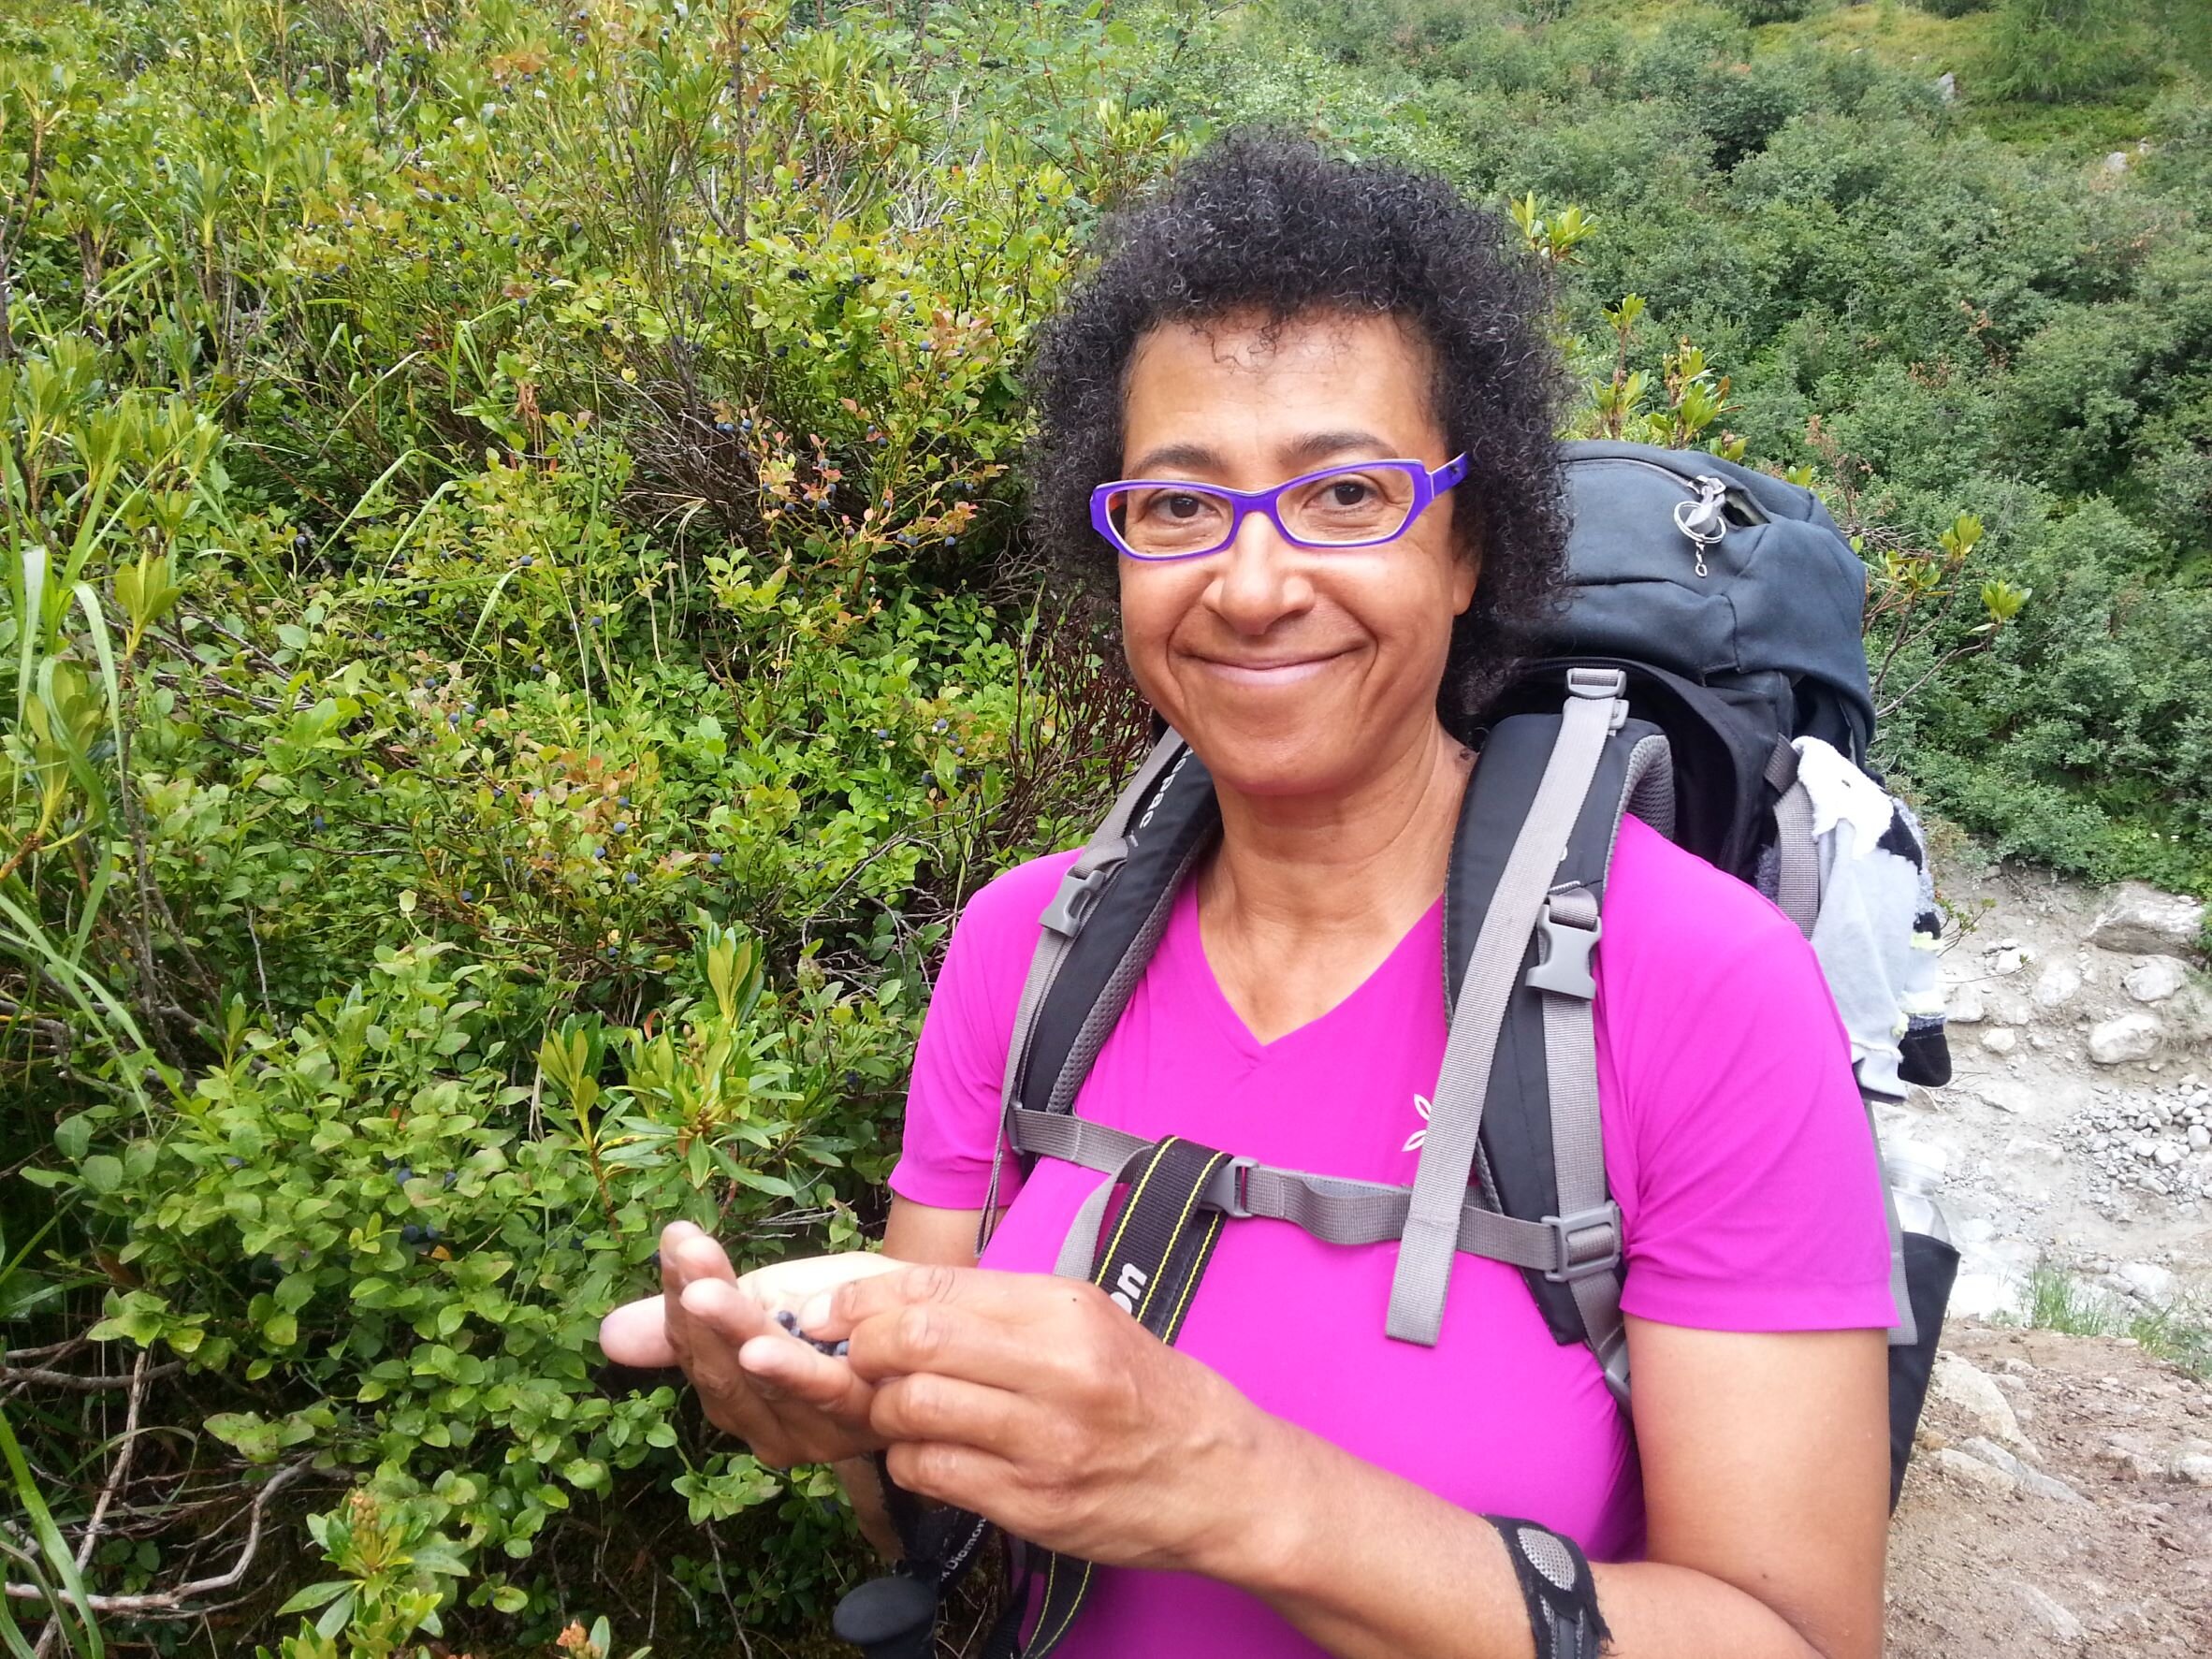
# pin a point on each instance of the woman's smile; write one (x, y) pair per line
(1270, 671)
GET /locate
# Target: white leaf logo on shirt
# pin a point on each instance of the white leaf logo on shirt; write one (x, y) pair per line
(1413, 1142)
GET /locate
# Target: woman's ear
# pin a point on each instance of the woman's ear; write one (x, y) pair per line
(1466, 577)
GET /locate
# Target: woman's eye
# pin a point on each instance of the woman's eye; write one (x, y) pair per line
(1348, 492)
(1181, 506)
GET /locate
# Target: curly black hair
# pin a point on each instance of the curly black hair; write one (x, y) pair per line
(1268, 224)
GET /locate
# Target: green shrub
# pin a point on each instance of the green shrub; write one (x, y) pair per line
(2056, 51)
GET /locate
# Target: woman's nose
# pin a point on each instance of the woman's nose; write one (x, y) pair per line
(1257, 579)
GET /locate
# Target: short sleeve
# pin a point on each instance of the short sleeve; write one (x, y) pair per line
(952, 1119)
(1737, 1143)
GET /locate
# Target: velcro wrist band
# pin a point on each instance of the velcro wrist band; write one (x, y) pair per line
(1557, 1587)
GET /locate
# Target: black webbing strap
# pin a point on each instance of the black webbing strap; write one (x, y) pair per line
(1154, 1258)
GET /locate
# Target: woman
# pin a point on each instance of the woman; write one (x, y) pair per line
(1286, 1479)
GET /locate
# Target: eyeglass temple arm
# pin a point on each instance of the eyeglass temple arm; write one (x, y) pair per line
(1450, 473)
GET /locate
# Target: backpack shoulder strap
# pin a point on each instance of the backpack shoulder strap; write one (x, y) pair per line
(1539, 1148)
(1096, 934)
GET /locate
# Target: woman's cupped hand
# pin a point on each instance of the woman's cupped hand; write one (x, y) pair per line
(787, 1401)
(1026, 1398)
(1036, 1402)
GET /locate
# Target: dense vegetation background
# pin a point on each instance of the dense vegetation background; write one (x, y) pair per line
(519, 642)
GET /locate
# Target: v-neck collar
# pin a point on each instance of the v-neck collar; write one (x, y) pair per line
(1186, 945)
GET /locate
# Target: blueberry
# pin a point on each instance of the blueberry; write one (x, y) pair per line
(950, 540)
(404, 1174)
(451, 1176)
(940, 725)
(882, 735)
(468, 708)
(629, 878)
(526, 561)
(723, 425)
(234, 1163)
(411, 1234)
(787, 1319)
(715, 859)
(318, 821)
(598, 852)
(744, 425)
(621, 800)
(905, 539)
(621, 826)
(468, 897)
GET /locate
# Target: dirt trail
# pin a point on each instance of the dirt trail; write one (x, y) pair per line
(1984, 1565)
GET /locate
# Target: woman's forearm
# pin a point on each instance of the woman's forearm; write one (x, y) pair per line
(1372, 1566)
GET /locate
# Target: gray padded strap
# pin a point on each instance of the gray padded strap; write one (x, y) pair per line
(1796, 884)
(1906, 1332)
(1078, 1250)
(1106, 849)
(1431, 1238)
(1333, 1208)
(1588, 1221)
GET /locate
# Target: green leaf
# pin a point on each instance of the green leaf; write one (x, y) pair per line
(314, 1595)
(102, 1173)
(72, 1136)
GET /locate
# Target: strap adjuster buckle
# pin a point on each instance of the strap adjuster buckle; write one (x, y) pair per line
(1588, 1242)
(1562, 955)
(1227, 1188)
(1079, 893)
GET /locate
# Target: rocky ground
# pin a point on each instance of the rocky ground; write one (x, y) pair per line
(2060, 1502)
(2078, 1125)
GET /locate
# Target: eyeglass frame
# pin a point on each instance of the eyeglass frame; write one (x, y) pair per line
(1428, 486)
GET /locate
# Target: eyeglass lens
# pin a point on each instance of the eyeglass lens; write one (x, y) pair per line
(1337, 508)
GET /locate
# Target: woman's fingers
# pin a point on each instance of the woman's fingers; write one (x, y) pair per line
(997, 1345)
(927, 1406)
(959, 1476)
(636, 1333)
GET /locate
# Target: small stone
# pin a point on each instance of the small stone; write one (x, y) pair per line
(2115, 161)
(2057, 985)
(1973, 1472)
(2156, 978)
(2125, 1038)
(2008, 961)
(1947, 87)
(2138, 920)
(2167, 1155)
(2053, 1615)
(2199, 1137)
(2147, 1279)
(2193, 1468)
(2000, 1040)
(1976, 1397)
(1965, 1007)
(2028, 1479)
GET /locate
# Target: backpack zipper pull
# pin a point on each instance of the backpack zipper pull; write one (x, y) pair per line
(1704, 520)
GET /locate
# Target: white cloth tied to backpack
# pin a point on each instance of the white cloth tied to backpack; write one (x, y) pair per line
(1878, 931)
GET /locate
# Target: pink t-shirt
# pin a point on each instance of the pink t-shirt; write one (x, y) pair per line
(1735, 1143)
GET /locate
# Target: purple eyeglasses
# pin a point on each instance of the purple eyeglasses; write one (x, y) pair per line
(1358, 505)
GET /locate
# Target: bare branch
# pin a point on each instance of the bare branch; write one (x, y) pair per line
(124, 1450)
(172, 1601)
(77, 1382)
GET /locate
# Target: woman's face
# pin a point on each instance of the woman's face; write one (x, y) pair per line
(1293, 671)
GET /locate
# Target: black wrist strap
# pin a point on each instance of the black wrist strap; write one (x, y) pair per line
(1556, 1585)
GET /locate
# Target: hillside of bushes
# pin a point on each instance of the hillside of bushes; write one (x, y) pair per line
(520, 640)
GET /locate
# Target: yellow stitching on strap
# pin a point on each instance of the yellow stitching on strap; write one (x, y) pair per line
(1176, 1237)
(1129, 1209)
